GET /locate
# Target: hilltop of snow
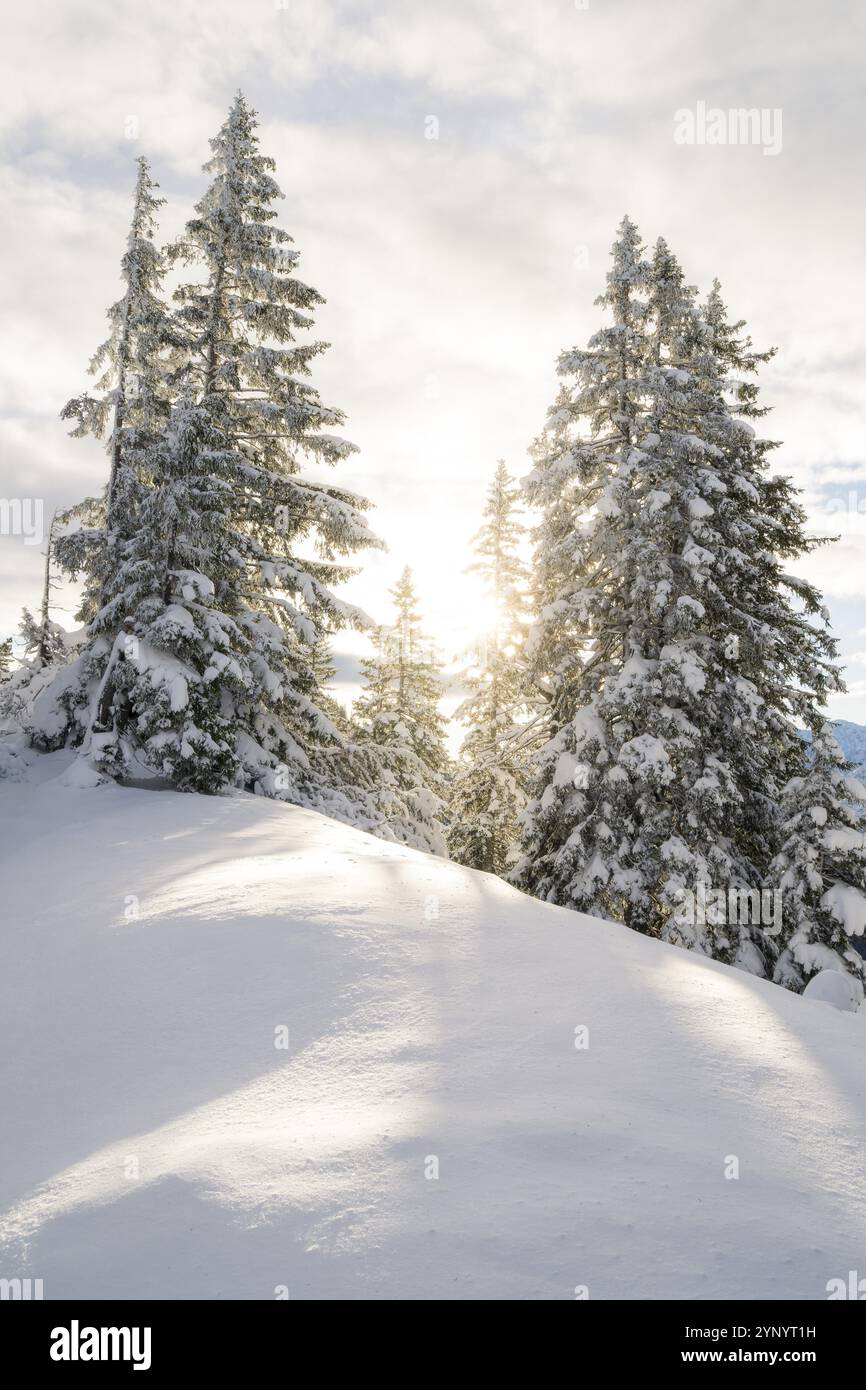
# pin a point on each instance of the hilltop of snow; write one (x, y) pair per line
(481, 1097)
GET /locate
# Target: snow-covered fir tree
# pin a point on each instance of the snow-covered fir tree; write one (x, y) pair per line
(488, 784)
(43, 641)
(224, 590)
(29, 704)
(673, 648)
(5, 658)
(820, 870)
(128, 412)
(398, 714)
(324, 673)
(43, 687)
(788, 624)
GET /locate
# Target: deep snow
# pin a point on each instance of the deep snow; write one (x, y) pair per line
(158, 1144)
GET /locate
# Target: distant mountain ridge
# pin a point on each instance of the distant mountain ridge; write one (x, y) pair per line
(852, 741)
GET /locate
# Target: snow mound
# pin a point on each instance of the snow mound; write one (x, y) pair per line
(15, 757)
(80, 774)
(249, 1050)
(832, 987)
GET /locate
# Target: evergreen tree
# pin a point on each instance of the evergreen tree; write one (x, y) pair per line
(129, 412)
(43, 640)
(48, 640)
(40, 695)
(31, 703)
(673, 646)
(324, 672)
(5, 659)
(398, 715)
(779, 644)
(224, 590)
(820, 870)
(488, 786)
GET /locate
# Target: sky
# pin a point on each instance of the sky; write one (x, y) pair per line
(454, 174)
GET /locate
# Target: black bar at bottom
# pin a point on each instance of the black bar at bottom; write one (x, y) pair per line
(69, 1337)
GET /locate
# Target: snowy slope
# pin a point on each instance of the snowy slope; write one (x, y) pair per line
(158, 1144)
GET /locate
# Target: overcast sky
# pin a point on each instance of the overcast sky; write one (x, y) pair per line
(455, 268)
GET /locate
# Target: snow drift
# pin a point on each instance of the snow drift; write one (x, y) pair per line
(482, 1096)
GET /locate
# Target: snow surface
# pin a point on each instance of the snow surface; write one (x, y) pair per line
(158, 1144)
